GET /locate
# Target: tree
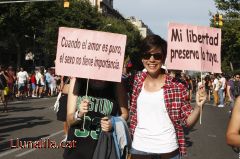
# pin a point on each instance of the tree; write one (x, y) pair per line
(114, 25)
(34, 26)
(230, 33)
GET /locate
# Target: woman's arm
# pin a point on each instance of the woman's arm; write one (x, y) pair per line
(71, 102)
(74, 115)
(61, 83)
(201, 97)
(232, 134)
(228, 93)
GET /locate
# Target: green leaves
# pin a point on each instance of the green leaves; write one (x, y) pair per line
(34, 26)
(230, 33)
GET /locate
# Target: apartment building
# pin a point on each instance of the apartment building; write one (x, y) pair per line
(106, 8)
(143, 28)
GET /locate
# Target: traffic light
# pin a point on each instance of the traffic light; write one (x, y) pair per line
(218, 20)
(66, 4)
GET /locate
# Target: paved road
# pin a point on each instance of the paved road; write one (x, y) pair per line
(34, 119)
(30, 120)
(207, 141)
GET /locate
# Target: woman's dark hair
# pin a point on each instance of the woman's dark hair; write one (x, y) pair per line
(154, 42)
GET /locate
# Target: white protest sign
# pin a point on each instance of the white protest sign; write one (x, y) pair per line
(195, 48)
(90, 54)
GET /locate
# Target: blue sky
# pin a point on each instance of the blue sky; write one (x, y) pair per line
(157, 13)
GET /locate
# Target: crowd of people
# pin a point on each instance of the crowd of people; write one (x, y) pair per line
(221, 88)
(18, 84)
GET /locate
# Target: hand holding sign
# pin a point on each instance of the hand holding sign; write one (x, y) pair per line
(83, 107)
(201, 97)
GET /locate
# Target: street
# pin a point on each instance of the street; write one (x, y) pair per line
(34, 119)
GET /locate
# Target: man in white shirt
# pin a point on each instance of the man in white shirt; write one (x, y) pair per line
(221, 91)
(215, 90)
(22, 78)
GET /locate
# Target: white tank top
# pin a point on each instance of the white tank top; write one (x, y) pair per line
(154, 132)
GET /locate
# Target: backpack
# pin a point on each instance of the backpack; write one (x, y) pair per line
(236, 91)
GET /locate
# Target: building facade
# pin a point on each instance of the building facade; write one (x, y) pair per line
(106, 8)
(143, 28)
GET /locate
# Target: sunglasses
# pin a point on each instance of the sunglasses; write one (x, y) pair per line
(156, 56)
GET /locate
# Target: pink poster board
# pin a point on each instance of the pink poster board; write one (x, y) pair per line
(90, 54)
(194, 48)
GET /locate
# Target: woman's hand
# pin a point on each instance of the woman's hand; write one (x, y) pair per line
(106, 124)
(84, 106)
(201, 96)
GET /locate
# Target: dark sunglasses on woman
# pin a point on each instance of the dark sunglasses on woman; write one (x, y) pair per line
(156, 56)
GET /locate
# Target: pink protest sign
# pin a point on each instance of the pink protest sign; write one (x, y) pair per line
(195, 48)
(90, 54)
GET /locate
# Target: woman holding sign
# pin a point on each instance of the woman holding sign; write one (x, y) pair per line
(89, 115)
(160, 107)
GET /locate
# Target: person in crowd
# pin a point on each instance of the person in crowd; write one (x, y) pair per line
(11, 80)
(194, 82)
(40, 82)
(184, 79)
(215, 90)
(48, 80)
(62, 112)
(33, 84)
(232, 134)
(22, 80)
(28, 88)
(221, 91)
(233, 89)
(208, 84)
(3, 84)
(88, 115)
(53, 85)
(190, 87)
(15, 87)
(58, 83)
(160, 107)
(227, 102)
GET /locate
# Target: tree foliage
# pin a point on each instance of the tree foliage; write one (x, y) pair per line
(230, 9)
(34, 26)
(114, 25)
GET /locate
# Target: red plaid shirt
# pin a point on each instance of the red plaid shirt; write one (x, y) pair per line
(177, 105)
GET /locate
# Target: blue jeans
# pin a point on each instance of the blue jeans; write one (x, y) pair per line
(221, 97)
(153, 155)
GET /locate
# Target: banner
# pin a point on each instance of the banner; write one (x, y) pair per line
(90, 54)
(194, 48)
